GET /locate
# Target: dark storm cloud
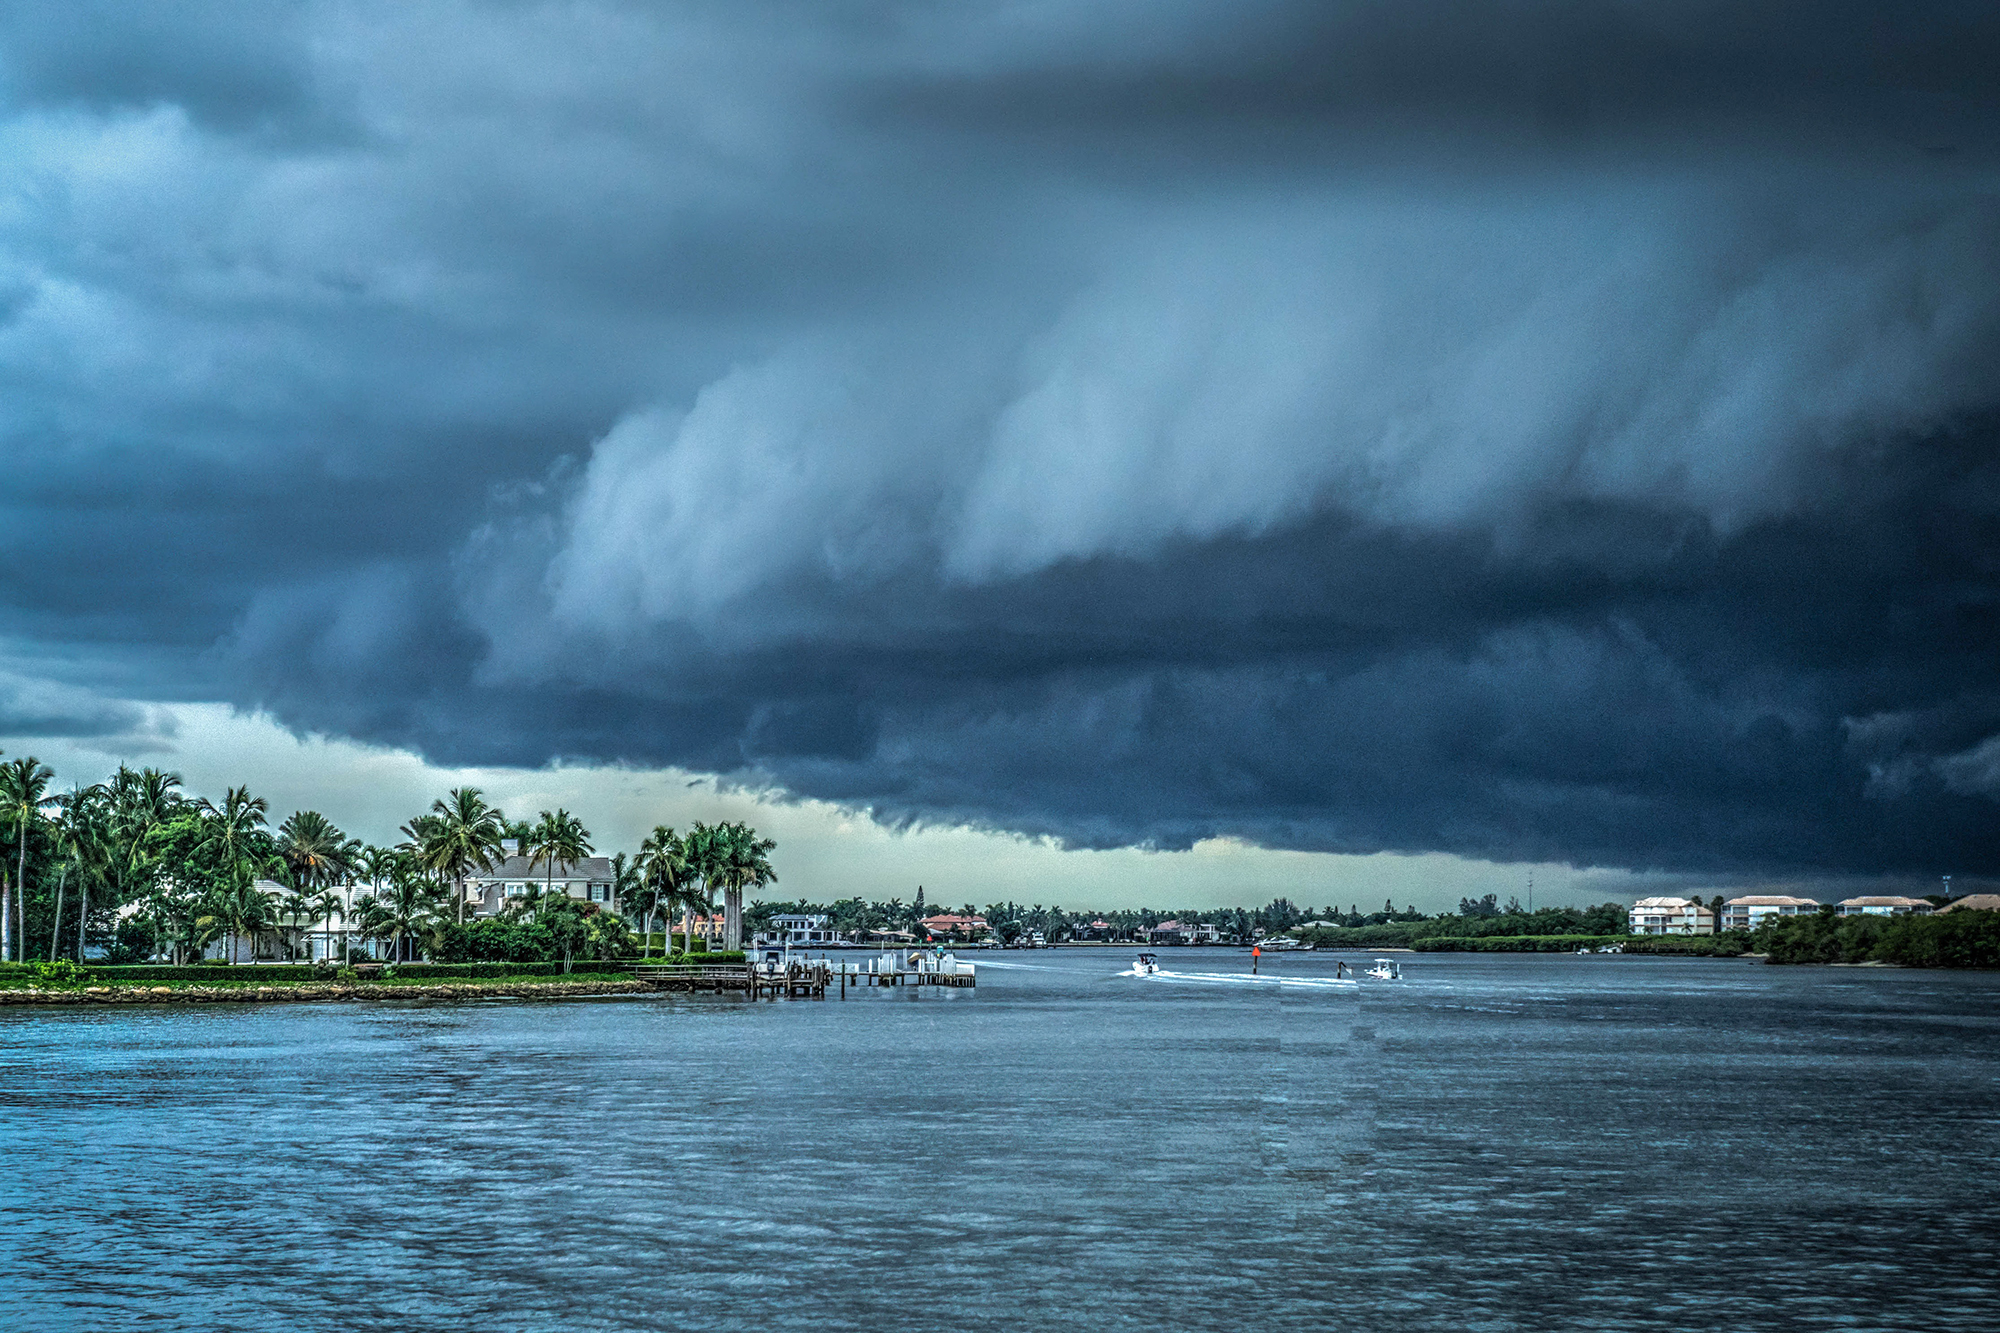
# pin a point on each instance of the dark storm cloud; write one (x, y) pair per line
(1524, 431)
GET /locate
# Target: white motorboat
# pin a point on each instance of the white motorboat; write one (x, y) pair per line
(1386, 969)
(1147, 965)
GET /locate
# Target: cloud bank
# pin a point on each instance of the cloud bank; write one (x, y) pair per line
(1539, 433)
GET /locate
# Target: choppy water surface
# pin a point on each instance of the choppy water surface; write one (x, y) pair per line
(1495, 1143)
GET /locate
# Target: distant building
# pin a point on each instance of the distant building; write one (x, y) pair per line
(1183, 932)
(1885, 907)
(952, 926)
(797, 931)
(1753, 911)
(1975, 902)
(1670, 916)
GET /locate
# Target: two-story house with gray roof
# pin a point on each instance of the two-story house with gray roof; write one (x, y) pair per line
(487, 892)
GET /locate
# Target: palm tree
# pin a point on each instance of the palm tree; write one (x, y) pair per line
(408, 905)
(628, 890)
(557, 837)
(86, 843)
(24, 793)
(235, 829)
(316, 853)
(664, 880)
(703, 850)
(743, 862)
(325, 906)
(140, 802)
(375, 864)
(241, 908)
(460, 835)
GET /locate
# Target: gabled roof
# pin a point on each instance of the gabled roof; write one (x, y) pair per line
(1884, 902)
(521, 867)
(1771, 900)
(1975, 902)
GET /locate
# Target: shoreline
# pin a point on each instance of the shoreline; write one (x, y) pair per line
(314, 992)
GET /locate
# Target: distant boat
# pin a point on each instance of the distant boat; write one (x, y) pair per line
(1386, 970)
(1283, 944)
(1147, 965)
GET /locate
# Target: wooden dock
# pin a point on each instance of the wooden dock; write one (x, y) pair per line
(805, 979)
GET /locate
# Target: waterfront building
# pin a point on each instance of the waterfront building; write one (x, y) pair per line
(488, 892)
(1753, 911)
(1975, 902)
(953, 925)
(1670, 916)
(1885, 906)
(1183, 932)
(797, 931)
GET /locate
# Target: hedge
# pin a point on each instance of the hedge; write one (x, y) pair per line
(110, 972)
(1702, 946)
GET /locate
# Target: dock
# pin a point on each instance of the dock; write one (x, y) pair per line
(792, 977)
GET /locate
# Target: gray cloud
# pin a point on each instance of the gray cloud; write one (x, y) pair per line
(1566, 436)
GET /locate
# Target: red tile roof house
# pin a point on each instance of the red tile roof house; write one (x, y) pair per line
(949, 925)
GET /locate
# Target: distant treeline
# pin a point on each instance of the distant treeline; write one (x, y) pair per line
(1947, 939)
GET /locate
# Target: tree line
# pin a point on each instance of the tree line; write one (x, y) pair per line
(192, 871)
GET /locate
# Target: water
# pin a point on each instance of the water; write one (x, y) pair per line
(1495, 1143)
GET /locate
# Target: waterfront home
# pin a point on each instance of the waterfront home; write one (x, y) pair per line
(1975, 902)
(1885, 906)
(1182, 932)
(953, 926)
(1670, 916)
(797, 931)
(516, 877)
(1753, 911)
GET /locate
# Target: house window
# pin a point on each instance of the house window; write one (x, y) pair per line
(600, 893)
(517, 890)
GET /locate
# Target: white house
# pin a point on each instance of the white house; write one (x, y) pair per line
(1885, 906)
(1753, 911)
(1670, 916)
(798, 931)
(487, 892)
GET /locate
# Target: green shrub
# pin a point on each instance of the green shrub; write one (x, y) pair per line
(62, 973)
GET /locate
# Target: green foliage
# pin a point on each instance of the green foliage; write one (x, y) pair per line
(60, 973)
(1515, 943)
(446, 971)
(1947, 939)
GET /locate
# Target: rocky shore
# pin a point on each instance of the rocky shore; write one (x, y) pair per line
(464, 990)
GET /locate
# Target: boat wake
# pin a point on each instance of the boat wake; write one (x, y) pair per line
(1243, 979)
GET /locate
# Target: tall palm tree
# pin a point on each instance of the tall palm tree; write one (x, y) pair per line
(24, 794)
(703, 850)
(743, 861)
(141, 801)
(86, 843)
(664, 879)
(460, 835)
(560, 836)
(235, 829)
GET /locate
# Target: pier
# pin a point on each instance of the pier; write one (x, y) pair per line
(785, 976)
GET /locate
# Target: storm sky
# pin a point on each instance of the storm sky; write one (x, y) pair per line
(1528, 432)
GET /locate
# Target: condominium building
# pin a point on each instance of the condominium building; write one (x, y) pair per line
(1670, 916)
(1753, 911)
(1888, 906)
